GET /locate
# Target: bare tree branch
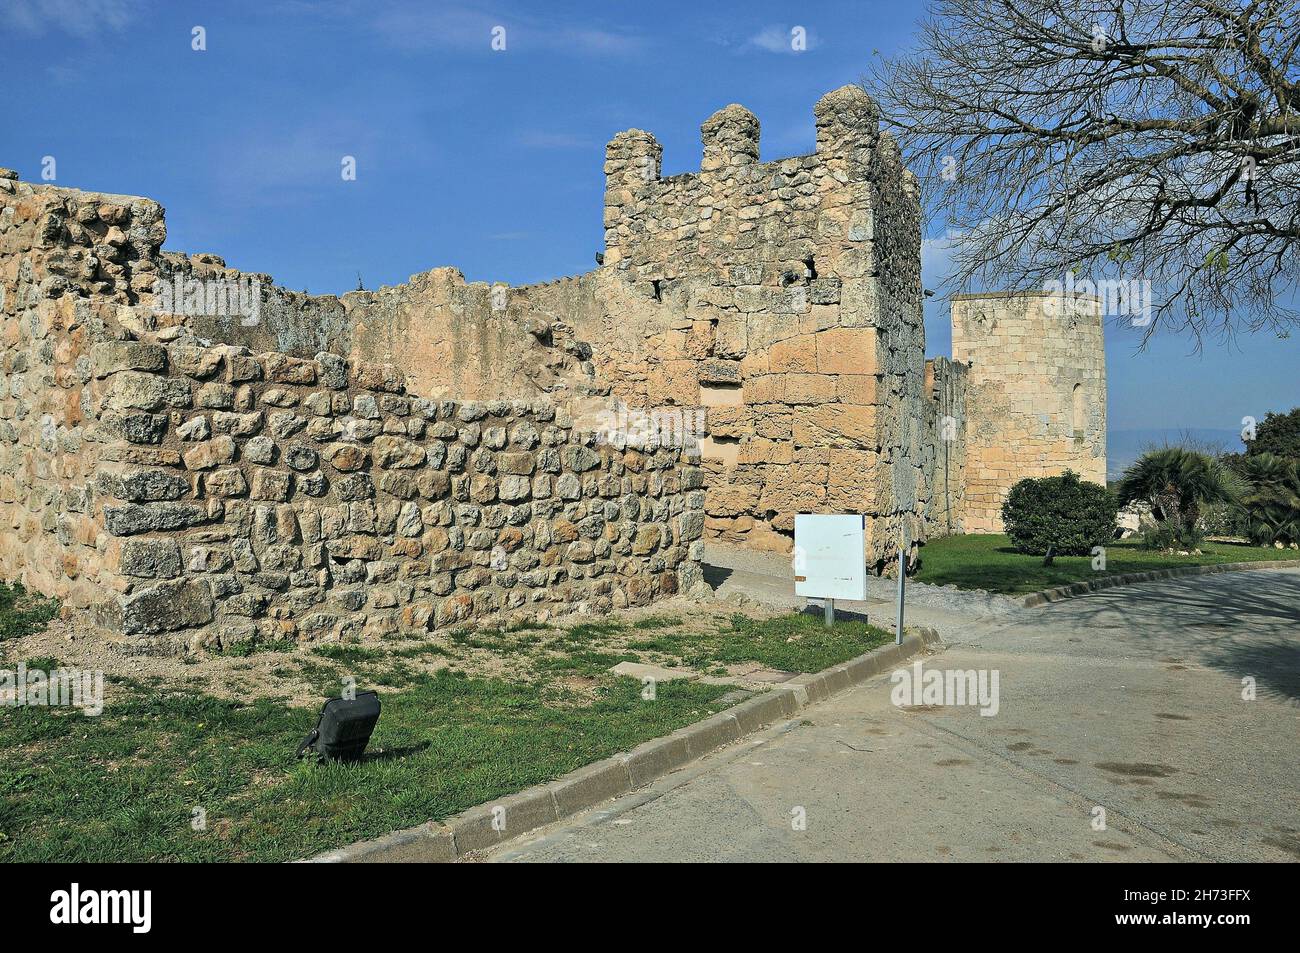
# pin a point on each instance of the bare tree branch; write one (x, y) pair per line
(1135, 140)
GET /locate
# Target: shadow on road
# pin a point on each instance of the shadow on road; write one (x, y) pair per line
(1245, 623)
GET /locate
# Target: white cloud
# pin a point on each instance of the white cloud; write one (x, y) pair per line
(936, 260)
(470, 27)
(780, 39)
(81, 18)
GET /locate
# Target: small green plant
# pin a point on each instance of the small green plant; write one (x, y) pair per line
(1063, 515)
(657, 622)
(1164, 537)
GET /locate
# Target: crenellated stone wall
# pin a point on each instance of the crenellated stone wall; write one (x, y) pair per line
(782, 297)
(778, 303)
(320, 466)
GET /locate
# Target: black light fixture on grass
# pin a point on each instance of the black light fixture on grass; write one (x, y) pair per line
(344, 728)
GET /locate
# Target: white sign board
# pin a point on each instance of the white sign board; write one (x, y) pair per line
(830, 556)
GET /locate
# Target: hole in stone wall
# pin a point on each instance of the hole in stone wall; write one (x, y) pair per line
(812, 269)
(721, 395)
(657, 289)
(725, 450)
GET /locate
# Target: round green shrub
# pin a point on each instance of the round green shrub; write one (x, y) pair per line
(1064, 513)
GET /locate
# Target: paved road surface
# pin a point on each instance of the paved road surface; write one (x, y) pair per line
(1129, 700)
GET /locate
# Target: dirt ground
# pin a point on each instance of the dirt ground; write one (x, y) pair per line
(295, 673)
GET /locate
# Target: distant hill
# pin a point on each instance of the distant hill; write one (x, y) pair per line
(1125, 446)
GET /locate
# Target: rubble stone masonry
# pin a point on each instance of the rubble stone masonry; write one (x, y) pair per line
(193, 493)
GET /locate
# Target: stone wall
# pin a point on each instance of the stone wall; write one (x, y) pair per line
(771, 310)
(70, 263)
(195, 493)
(450, 337)
(782, 298)
(297, 498)
(943, 453)
(1035, 394)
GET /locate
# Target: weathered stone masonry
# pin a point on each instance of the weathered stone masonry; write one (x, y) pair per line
(421, 454)
(204, 494)
(783, 298)
(1036, 397)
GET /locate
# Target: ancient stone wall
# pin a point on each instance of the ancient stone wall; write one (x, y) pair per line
(193, 493)
(1035, 395)
(70, 262)
(943, 449)
(770, 312)
(311, 501)
(450, 338)
(783, 297)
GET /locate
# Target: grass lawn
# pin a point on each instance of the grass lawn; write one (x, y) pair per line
(21, 613)
(124, 786)
(990, 562)
(792, 643)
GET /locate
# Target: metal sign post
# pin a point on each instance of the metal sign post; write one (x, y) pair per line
(828, 612)
(902, 581)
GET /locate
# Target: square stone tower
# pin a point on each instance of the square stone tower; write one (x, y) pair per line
(1035, 393)
(783, 298)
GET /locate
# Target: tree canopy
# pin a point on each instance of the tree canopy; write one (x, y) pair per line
(1115, 140)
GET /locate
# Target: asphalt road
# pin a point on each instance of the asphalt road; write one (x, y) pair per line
(1128, 700)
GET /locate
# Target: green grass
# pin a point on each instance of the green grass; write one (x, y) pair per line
(122, 786)
(254, 646)
(990, 562)
(792, 643)
(22, 613)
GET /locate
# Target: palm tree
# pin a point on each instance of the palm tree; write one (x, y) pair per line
(1271, 502)
(1177, 483)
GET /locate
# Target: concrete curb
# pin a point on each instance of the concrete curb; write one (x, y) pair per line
(1074, 590)
(490, 824)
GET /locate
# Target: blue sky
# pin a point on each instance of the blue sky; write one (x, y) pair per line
(489, 161)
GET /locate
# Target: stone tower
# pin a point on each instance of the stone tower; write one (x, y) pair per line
(1035, 394)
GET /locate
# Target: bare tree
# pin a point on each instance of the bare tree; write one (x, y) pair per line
(1113, 140)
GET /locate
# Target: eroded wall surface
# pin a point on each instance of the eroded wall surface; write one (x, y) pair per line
(770, 312)
(317, 501)
(943, 449)
(192, 493)
(70, 262)
(784, 298)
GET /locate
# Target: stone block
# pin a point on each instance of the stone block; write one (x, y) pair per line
(167, 607)
(846, 351)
